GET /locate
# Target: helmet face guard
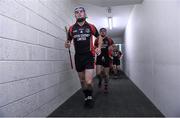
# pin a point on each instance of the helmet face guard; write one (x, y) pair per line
(80, 10)
(103, 32)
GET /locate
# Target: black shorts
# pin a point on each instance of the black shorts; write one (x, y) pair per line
(103, 60)
(84, 61)
(116, 62)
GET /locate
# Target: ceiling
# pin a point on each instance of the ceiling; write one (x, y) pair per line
(108, 3)
(97, 12)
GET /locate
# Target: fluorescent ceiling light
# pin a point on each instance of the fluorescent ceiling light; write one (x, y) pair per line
(110, 23)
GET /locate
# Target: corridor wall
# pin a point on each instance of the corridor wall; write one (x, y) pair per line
(35, 72)
(152, 52)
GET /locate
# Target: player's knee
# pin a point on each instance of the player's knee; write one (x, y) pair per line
(89, 82)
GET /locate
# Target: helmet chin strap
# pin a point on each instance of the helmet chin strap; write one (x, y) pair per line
(81, 19)
(103, 36)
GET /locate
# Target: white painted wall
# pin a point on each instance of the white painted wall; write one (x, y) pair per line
(152, 52)
(35, 73)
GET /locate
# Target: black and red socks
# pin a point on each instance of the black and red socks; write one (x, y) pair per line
(106, 85)
(100, 81)
(88, 98)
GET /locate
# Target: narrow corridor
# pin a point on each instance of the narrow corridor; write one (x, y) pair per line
(36, 78)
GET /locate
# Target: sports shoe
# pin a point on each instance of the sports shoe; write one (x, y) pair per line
(89, 102)
(85, 101)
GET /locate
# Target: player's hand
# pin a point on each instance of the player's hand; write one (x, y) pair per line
(111, 57)
(67, 44)
(98, 51)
